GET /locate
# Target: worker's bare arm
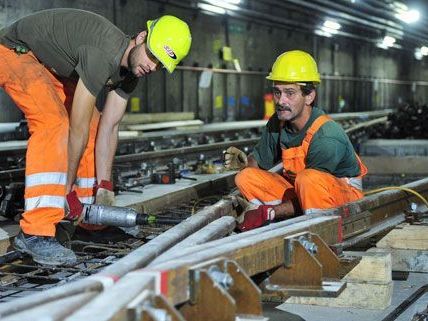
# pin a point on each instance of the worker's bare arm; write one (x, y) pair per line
(80, 118)
(107, 137)
(252, 162)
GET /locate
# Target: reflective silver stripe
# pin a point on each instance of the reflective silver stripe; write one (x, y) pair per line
(255, 201)
(57, 178)
(356, 182)
(44, 201)
(86, 182)
(87, 199)
(318, 211)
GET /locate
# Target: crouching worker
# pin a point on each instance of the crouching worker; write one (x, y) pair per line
(320, 167)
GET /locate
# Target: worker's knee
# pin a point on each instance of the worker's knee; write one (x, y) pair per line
(306, 176)
(244, 177)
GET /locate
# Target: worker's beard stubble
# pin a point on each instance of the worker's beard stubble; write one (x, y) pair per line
(284, 112)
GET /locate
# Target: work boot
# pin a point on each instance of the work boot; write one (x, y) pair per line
(44, 249)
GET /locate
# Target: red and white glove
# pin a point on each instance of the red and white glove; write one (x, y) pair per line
(73, 207)
(104, 193)
(256, 217)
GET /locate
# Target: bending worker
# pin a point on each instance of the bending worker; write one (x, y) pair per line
(53, 64)
(320, 167)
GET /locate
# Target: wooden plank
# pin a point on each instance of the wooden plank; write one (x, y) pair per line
(406, 236)
(369, 285)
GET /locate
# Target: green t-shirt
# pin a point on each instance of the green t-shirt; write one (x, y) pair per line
(75, 44)
(330, 149)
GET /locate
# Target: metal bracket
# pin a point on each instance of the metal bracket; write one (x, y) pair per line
(151, 307)
(220, 290)
(308, 270)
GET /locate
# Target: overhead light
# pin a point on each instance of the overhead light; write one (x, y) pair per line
(329, 30)
(405, 14)
(323, 33)
(388, 41)
(210, 8)
(424, 50)
(329, 24)
(224, 4)
(418, 54)
(233, 1)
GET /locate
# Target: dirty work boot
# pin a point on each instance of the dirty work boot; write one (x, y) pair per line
(44, 249)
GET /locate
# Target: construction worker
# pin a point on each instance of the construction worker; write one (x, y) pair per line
(53, 64)
(320, 167)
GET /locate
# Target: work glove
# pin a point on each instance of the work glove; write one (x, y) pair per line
(104, 193)
(255, 216)
(73, 207)
(235, 159)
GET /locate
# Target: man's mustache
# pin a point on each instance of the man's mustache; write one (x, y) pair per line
(282, 108)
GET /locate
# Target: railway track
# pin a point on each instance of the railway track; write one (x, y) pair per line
(106, 269)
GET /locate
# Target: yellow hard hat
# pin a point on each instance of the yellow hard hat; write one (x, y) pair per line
(295, 66)
(169, 40)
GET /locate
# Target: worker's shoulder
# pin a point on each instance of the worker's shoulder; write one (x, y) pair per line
(331, 129)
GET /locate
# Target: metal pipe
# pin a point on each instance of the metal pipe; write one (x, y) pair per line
(137, 259)
(213, 231)
(56, 310)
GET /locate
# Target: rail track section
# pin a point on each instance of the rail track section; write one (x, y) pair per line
(158, 146)
(223, 278)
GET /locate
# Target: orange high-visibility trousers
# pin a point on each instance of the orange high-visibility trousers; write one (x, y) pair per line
(43, 98)
(315, 190)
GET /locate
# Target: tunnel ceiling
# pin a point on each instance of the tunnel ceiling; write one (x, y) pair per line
(367, 20)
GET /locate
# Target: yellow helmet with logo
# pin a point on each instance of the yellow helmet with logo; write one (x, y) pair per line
(169, 40)
(295, 66)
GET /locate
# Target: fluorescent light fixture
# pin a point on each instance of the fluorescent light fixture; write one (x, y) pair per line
(424, 50)
(329, 30)
(408, 16)
(210, 8)
(223, 4)
(323, 33)
(332, 25)
(388, 41)
(233, 1)
(418, 54)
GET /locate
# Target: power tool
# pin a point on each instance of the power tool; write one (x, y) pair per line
(120, 216)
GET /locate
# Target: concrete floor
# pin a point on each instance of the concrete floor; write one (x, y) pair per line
(402, 290)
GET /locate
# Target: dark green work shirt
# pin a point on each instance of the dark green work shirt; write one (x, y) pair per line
(330, 149)
(75, 44)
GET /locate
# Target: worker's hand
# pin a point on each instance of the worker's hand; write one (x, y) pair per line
(235, 159)
(73, 207)
(255, 217)
(104, 194)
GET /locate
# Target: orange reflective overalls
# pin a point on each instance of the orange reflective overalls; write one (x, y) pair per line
(45, 102)
(315, 190)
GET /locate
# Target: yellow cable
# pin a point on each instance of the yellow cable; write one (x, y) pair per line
(423, 199)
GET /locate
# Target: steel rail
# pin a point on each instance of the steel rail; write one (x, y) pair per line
(388, 203)
(262, 249)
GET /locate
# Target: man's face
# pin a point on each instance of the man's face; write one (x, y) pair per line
(289, 100)
(140, 61)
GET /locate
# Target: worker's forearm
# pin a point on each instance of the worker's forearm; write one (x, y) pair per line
(288, 209)
(252, 162)
(77, 141)
(105, 150)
